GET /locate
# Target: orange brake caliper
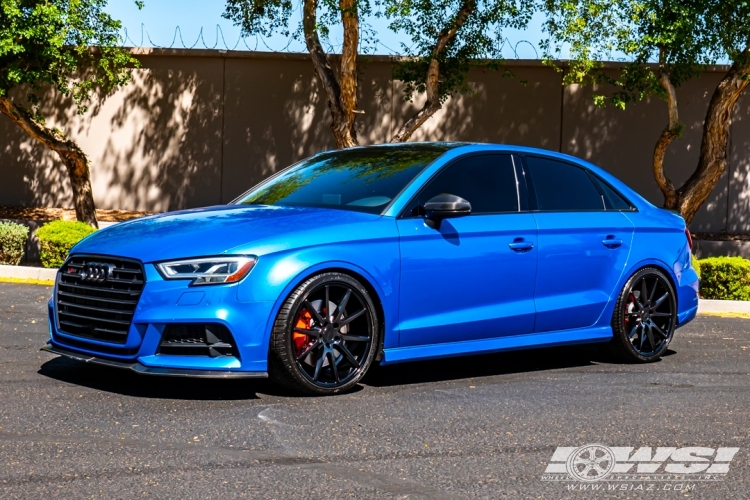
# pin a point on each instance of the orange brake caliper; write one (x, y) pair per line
(302, 341)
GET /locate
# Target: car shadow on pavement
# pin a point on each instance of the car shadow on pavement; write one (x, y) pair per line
(487, 365)
(127, 383)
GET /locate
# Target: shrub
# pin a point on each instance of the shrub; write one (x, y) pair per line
(12, 242)
(725, 278)
(56, 238)
(696, 265)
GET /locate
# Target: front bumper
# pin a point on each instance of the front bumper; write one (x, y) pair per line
(151, 370)
(174, 302)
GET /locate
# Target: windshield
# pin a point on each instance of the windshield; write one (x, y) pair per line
(360, 179)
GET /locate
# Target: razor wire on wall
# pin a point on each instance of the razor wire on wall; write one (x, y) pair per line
(509, 49)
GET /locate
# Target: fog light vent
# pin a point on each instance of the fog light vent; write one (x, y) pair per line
(197, 340)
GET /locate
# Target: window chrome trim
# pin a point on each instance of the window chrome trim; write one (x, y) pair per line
(515, 174)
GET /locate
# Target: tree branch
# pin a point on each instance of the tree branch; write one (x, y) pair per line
(72, 156)
(670, 133)
(24, 119)
(715, 142)
(326, 74)
(432, 86)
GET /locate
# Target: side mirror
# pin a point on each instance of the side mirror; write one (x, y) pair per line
(446, 205)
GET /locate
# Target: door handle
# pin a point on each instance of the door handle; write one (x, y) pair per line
(520, 245)
(611, 242)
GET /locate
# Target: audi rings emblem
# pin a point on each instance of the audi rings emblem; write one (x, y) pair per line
(96, 272)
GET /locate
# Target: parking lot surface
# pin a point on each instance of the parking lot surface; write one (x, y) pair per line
(475, 427)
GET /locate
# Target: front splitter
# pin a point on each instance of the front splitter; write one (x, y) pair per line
(151, 370)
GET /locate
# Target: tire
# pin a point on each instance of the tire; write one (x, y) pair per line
(643, 329)
(318, 349)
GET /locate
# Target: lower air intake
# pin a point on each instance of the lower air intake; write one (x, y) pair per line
(197, 340)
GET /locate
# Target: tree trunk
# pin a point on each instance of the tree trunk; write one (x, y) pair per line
(715, 143)
(348, 73)
(432, 84)
(342, 98)
(669, 134)
(72, 156)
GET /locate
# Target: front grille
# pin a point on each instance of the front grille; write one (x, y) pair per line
(97, 297)
(197, 340)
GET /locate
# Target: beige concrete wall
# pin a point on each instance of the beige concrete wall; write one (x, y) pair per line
(199, 127)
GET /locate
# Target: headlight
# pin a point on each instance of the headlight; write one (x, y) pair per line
(209, 270)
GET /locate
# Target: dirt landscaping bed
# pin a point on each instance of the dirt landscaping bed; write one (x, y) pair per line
(42, 213)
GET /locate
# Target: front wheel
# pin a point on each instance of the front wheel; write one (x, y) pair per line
(325, 336)
(645, 317)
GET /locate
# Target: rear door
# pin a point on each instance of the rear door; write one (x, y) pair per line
(473, 276)
(584, 243)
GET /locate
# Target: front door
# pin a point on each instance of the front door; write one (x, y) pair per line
(472, 277)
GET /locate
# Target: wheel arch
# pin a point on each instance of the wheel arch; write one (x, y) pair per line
(653, 263)
(356, 272)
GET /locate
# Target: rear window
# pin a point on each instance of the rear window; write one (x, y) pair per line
(612, 199)
(559, 186)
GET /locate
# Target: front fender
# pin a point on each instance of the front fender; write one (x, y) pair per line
(376, 263)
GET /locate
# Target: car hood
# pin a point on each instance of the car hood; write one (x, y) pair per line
(208, 231)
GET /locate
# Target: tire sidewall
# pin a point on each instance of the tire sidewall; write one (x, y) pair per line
(621, 336)
(283, 328)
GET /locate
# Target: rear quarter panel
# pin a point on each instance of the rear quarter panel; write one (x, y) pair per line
(660, 241)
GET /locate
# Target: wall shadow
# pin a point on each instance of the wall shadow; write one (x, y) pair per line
(522, 109)
(738, 211)
(622, 142)
(198, 128)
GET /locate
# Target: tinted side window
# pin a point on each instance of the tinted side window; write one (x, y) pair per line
(488, 182)
(562, 186)
(613, 199)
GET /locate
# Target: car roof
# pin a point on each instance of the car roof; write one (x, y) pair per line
(457, 148)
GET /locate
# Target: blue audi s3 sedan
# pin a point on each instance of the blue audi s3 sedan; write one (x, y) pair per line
(381, 254)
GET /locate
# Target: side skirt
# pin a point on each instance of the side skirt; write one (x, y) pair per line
(528, 341)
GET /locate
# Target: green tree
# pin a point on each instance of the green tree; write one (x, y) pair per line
(68, 45)
(668, 42)
(449, 37)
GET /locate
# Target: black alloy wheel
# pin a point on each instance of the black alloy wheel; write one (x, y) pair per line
(645, 317)
(325, 336)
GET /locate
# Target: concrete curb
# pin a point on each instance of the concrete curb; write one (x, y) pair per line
(27, 273)
(723, 306)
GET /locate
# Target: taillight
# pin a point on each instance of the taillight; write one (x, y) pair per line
(689, 238)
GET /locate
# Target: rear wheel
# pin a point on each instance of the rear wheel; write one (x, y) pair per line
(325, 336)
(645, 317)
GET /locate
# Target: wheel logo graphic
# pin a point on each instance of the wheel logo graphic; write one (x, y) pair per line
(592, 462)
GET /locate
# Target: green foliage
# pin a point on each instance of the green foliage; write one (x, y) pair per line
(680, 35)
(12, 242)
(725, 278)
(696, 265)
(270, 17)
(58, 237)
(478, 42)
(423, 21)
(71, 45)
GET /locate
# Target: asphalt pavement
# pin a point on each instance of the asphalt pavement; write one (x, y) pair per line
(474, 427)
